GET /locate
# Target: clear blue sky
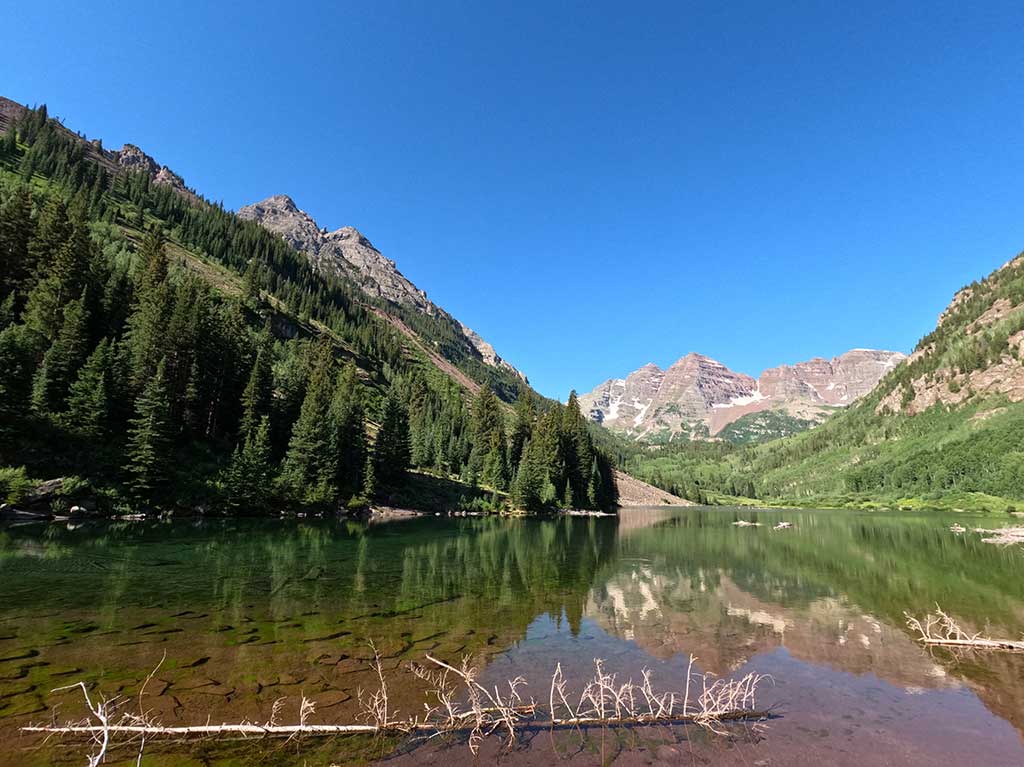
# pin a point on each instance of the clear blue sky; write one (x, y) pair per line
(591, 186)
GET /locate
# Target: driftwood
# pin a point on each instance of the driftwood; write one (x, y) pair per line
(456, 703)
(1002, 536)
(942, 629)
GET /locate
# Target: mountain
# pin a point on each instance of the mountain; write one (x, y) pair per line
(698, 397)
(975, 349)
(162, 352)
(346, 252)
(945, 428)
(129, 158)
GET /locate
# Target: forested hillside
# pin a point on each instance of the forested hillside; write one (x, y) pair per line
(945, 428)
(164, 353)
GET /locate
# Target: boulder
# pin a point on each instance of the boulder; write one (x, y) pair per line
(42, 495)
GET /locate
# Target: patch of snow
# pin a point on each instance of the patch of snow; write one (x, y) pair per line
(746, 399)
(613, 410)
(643, 411)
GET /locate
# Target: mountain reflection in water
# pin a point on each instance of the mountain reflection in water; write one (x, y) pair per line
(249, 611)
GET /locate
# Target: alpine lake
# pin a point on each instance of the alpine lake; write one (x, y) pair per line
(228, 618)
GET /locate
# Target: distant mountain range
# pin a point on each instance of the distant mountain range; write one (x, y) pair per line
(700, 398)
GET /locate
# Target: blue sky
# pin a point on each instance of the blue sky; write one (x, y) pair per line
(590, 186)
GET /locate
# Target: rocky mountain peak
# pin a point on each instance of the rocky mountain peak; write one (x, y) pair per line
(351, 233)
(697, 396)
(281, 202)
(131, 158)
(348, 252)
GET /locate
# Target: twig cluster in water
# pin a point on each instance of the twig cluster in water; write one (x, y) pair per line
(942, 629)
(456, 703)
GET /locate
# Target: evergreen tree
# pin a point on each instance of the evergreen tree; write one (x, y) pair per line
(258, 394)
(62, 251)
(577, 452)
(392, 451)
(149, 435)
(250, 284)
(62, 360)
(18, 355)
(528, 487)
(147, 326)
(9, 146)
(369, 489)
(522, 429)
(487, 420)
(16, 230)
(7, 311)
(495, 466)
(309, 467)
(349, 431)
(88, 411)
(248, 481)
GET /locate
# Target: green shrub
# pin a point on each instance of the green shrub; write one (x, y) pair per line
(14, 483)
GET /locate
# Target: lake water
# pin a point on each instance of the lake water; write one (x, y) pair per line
(247, 612)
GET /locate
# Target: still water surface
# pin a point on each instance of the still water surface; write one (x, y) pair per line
(247, 612)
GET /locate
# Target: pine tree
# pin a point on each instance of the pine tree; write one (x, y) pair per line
(528, 487)
(577, 452)
(349, 431)
(62, 360)
(88, 412)
(7, 311)
(256, 399)
(522, 430)
(251, 284)
(392, 451)
(369, 489)
(62, 253)
(147, 326)
(149, 435)
(495, 466)
(18, 354)
(248, 481)
(9, 147)
(309, 467)
(487, 419)
(16, 230)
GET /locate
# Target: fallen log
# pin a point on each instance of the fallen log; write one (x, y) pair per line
(456, 704)
(942, 629)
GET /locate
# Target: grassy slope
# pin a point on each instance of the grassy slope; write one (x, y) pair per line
(436, 492)
(963, 456)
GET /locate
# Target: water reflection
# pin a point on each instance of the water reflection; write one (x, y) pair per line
(249, 611)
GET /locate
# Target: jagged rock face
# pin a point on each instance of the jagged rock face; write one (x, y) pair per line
(839, 381)
(348, 252)
(624, 400)
(343, 252)
(490, 356)
(132, 159)
(698, 396)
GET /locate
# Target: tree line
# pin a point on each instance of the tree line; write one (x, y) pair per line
(119, 362)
